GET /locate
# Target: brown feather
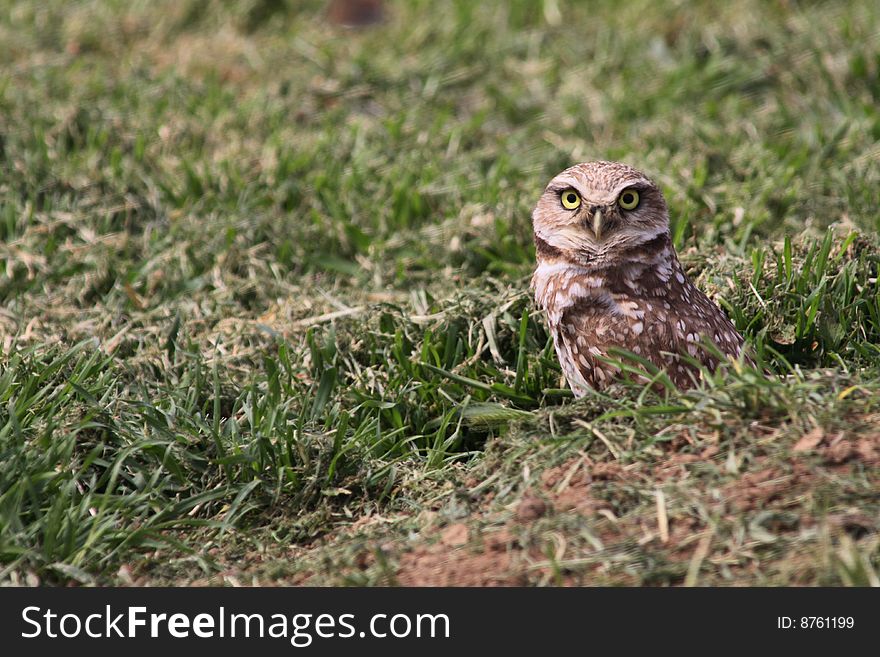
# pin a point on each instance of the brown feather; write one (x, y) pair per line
(622, 287)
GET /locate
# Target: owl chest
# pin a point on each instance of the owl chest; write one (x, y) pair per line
(628, 307)
(591, 297)
(584, 334)
(609, 320)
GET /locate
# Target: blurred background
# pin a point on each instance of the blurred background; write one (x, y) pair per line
(421, 139)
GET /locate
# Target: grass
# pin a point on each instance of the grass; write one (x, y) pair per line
(264, 312)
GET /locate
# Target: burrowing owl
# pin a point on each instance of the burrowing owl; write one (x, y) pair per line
(608, 276)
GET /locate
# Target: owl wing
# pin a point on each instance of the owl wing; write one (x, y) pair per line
(702, 317)
(693, 320)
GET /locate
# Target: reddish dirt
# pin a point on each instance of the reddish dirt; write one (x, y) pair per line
(838, 448)
(530, 508)
(842, 450)
(438, 565)
(465, 556)
(755, 490)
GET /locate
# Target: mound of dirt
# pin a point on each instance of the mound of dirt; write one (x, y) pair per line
(466, 555)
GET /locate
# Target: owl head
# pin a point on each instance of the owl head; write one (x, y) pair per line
(592, 213)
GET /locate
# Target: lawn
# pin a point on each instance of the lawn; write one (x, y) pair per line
(264, 307)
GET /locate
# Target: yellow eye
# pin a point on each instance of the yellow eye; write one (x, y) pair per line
(571, 200)
(629, 200)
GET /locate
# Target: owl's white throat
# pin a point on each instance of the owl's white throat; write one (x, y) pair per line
(580, 250)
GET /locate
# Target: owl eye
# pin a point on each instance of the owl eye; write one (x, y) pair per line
(570, 199)
(629, 200)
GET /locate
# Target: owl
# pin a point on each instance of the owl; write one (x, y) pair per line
(608, 276)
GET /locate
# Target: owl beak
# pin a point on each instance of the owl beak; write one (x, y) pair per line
(597, 224)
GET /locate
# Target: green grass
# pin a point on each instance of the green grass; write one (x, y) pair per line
(263, 294)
